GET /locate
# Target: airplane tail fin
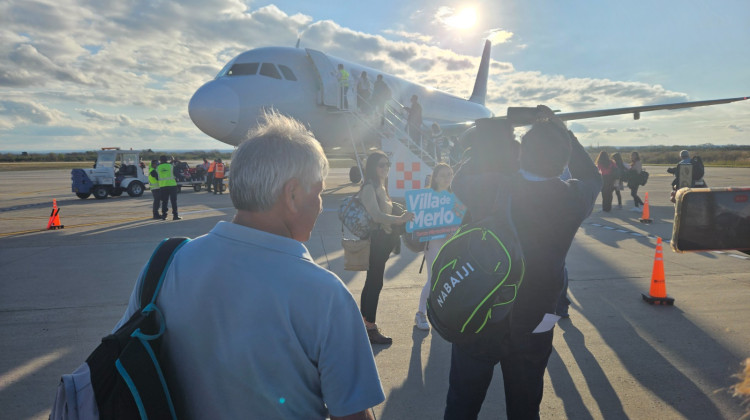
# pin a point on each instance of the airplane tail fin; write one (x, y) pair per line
(479, 93)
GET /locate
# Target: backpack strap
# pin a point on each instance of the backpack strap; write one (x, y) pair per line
(156, 269)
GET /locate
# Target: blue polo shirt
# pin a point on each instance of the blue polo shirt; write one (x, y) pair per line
(256, 329)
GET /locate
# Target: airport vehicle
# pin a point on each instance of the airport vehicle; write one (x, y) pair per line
(185, 176)
(302, 83)
(115, 171)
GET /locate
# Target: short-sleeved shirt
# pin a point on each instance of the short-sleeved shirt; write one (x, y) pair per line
(256, 329)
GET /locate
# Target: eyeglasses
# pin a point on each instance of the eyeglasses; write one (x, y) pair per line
(384, 165)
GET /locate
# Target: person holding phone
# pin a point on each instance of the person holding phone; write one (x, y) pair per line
(375, 198)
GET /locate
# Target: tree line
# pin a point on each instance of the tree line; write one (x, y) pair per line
(732, 155)
(90, 156)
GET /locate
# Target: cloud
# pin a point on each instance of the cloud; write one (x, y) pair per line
(29, 112)
(411, 36)
(127, 69)
(443, 15)
(499, 36)
(94, 115)
(578, 128)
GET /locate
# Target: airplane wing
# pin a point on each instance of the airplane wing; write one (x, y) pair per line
(525, 116)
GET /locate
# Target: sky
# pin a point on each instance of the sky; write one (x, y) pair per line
(80, 74)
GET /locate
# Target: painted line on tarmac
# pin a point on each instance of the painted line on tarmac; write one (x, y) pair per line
(666, 241)
(105, 222)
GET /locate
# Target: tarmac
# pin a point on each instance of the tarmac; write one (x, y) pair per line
(616, 357)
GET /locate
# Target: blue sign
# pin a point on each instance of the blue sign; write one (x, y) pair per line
(436, 214)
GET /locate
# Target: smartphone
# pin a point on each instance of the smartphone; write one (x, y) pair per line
(712, 219)
(521, 115)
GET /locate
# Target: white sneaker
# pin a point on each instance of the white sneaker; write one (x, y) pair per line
(420, 320)
(637, 209)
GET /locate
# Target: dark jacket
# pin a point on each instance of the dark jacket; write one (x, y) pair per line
(546, 215)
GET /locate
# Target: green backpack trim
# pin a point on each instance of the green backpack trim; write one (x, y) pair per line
(452, 264)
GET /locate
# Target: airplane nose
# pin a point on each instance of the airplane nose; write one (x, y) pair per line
(215, 109)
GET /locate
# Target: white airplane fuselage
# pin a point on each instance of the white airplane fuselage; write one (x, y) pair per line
(228, 106)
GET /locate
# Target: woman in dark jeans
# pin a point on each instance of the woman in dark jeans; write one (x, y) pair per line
(607, 170)
(634, 180)
(375, 198)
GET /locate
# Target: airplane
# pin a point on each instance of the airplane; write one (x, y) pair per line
(303, 83)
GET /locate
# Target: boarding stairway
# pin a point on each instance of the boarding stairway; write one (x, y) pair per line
(391, 127)
(390, 135)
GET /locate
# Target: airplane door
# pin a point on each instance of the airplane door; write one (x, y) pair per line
(329, 84)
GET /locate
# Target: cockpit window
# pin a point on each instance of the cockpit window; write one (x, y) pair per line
(225, 69)
(268, 69)
(288, 73)
(243, 69)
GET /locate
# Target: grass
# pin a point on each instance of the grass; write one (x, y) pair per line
(36, 166)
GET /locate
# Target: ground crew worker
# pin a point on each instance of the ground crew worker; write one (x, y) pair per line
(210, 175)
(153, 181)
(219, 177)
(168, 187)
(343, 77)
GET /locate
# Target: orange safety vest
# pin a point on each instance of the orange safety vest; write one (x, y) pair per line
(211, 167)
(219, 173)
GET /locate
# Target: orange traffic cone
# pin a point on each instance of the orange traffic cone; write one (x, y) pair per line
(658, 293)
(645, 216)
(54, 217)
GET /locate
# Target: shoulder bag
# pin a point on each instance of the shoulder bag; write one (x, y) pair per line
(644, 177)
(356, 254)
(354, 216)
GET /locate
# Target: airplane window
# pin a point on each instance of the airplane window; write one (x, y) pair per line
(224, 70)
(288, 73)
(243, 69)
(268, 69)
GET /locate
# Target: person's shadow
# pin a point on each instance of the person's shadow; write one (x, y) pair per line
(596, 380)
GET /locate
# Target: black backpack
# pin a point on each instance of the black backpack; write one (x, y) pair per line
(698, 168)
(475, 279)
(124, 373)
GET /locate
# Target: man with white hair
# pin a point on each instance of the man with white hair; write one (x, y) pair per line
(254, 327)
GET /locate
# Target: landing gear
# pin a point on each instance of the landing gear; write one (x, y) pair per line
(355, 176)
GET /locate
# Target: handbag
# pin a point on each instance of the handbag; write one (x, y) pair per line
(412, 242)
(644, 177)
(354, 216)
(398, 210)
(356, 254)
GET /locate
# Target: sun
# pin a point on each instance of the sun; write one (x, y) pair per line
(464, 19)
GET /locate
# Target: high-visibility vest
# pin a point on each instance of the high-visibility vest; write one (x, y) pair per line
(151, 180)
(219, 171)
(211, 167)
(166, 176)
(344, 80)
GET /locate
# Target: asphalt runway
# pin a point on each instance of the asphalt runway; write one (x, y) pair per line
(616, 357)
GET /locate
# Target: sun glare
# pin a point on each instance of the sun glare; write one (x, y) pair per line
(464, 19)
